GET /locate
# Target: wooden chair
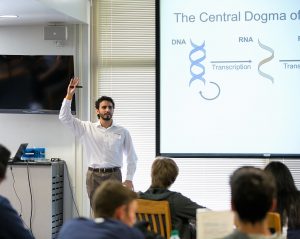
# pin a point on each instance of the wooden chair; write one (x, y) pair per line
(274, 222)
(157, 214)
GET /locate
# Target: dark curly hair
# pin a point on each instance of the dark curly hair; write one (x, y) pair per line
(103, 98)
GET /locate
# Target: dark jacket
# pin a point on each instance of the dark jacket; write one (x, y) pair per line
(11, 225)
(90, 229)
(236, 234)
(183, 209)
(293, 234)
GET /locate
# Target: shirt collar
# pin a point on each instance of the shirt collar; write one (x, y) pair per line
(99, 125)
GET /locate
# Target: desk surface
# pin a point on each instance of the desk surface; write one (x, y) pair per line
(34, 162)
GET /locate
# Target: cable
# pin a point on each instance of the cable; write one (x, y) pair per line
(31, 199)
(14, 183)
(21, 207)
(70, 186)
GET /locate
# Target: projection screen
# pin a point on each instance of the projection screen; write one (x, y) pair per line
(228, 78)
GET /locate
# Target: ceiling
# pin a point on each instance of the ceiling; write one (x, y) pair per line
(31, 12)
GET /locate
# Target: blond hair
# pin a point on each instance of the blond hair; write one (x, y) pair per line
(164, 172)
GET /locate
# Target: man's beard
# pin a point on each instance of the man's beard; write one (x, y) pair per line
(106, 117)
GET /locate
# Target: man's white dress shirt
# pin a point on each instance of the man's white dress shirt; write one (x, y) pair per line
(104, 146)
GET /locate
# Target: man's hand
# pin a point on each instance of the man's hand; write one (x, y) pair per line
(72, 87)
(128, 184)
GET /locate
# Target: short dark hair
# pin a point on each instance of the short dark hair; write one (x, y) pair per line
(164, 172)
(4, 157)
(110, 195)
(252, 193)
(103, 98)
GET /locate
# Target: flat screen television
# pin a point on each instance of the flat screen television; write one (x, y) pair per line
(34, 84)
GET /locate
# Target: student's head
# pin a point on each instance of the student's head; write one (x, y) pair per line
(113, 200)
(283, 177)
(105, 106)
(164, 172)
(4, 157)
(253, 193)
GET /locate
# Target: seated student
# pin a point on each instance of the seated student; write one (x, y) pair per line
(114, 209)
(253, 195)
(11, 225)
(288, 198)
(163, 174)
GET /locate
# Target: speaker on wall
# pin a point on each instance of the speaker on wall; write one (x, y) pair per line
(55, 33)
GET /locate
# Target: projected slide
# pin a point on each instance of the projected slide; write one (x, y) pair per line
(229, 77)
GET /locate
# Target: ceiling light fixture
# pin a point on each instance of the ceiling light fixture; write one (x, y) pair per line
(8, 16)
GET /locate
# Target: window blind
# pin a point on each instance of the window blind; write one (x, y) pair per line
(124, 68)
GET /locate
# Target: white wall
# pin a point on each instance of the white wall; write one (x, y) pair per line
(46, 130)
(73, 8)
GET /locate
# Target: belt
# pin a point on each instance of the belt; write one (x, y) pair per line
(104, 170)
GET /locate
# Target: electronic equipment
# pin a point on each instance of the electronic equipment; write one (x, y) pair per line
(19, 152)
(34, 84)
(56, 33)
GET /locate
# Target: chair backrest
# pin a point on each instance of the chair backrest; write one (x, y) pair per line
(274, 222)
(157, 214)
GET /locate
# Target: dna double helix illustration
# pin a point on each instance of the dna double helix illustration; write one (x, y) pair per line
(197, 69)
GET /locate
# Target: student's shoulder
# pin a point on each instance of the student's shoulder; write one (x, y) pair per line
(236, 235)
(135, 233)
(239, 235)
(122, 230)
(78, 221)
(4, 202)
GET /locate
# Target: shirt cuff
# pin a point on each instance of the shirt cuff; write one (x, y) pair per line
(129, 177)
(66, 101)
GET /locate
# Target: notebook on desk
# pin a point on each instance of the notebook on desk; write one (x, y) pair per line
(19, 153)
(214, 224)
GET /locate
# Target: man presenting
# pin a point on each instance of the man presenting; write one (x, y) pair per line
(105, 142)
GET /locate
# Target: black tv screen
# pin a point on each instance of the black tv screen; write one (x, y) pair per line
(34, 83)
